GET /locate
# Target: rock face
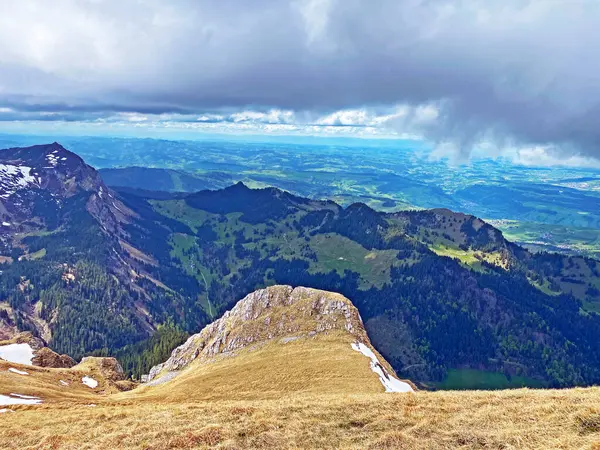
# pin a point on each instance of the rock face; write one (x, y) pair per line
(44, 357)
(277, 312)
(108, 367)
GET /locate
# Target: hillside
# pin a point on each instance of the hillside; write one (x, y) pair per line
(529, 419)
(285, 368)
(442, 294)
(437, 290)
(277, 340)
(66, 261)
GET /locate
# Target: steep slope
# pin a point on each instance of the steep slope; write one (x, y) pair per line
(437, 290)
(69, 274)
(36, 183)
(481, 247)
(274, 341)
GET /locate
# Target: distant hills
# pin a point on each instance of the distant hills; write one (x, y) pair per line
(130, 273)
(166, 180)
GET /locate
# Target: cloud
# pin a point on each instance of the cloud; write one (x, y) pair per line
(511, 72)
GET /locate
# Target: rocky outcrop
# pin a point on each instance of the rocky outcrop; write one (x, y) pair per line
(44, 357)
(26, 338)
(277, 312)
(109, 368)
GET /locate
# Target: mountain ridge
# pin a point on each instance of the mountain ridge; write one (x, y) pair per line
(165, 267)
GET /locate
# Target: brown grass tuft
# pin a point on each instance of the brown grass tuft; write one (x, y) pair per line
(208, 436)
(589, 421)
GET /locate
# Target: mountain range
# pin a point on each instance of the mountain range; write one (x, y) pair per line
(99, 270)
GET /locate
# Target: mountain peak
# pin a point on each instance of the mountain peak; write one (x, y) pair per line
(49, 169)
(37, 181)
(42, 156)
(279, 320)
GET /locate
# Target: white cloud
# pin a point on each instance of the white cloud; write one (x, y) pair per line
(464, 71)
(540, 156)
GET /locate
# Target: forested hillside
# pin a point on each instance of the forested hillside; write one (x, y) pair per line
(132, 273)
(437, 290)
(66, 274)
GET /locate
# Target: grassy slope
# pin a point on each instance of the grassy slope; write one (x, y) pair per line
(303, 394)
(334, 252)
(307, 366)
(45, 383)
(469, 258)
(501, 419)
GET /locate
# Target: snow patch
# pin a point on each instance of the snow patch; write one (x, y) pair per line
(13, 178)
(118, 209)
(89, 382)
(52, 159)
(5, 410)
(18, 399)
(17, 353)
(390, 383)
(26, 397)
(64, 383)
(6, 224)
(17, 371)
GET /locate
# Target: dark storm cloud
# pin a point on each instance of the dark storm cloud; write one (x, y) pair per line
(509, 71)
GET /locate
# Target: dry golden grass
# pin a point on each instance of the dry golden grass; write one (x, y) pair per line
(508, 419)
(303, 394)
(46, 383)
(326, 364)
(310, 392)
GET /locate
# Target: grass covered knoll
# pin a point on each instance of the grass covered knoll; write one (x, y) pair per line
(58, 386)
(308, 366)
(532, 419)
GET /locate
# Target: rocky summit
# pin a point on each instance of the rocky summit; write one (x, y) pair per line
(274, 319)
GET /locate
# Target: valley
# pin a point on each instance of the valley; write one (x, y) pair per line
(438, 291)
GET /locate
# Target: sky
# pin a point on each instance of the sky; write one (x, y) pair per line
(468, 76)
